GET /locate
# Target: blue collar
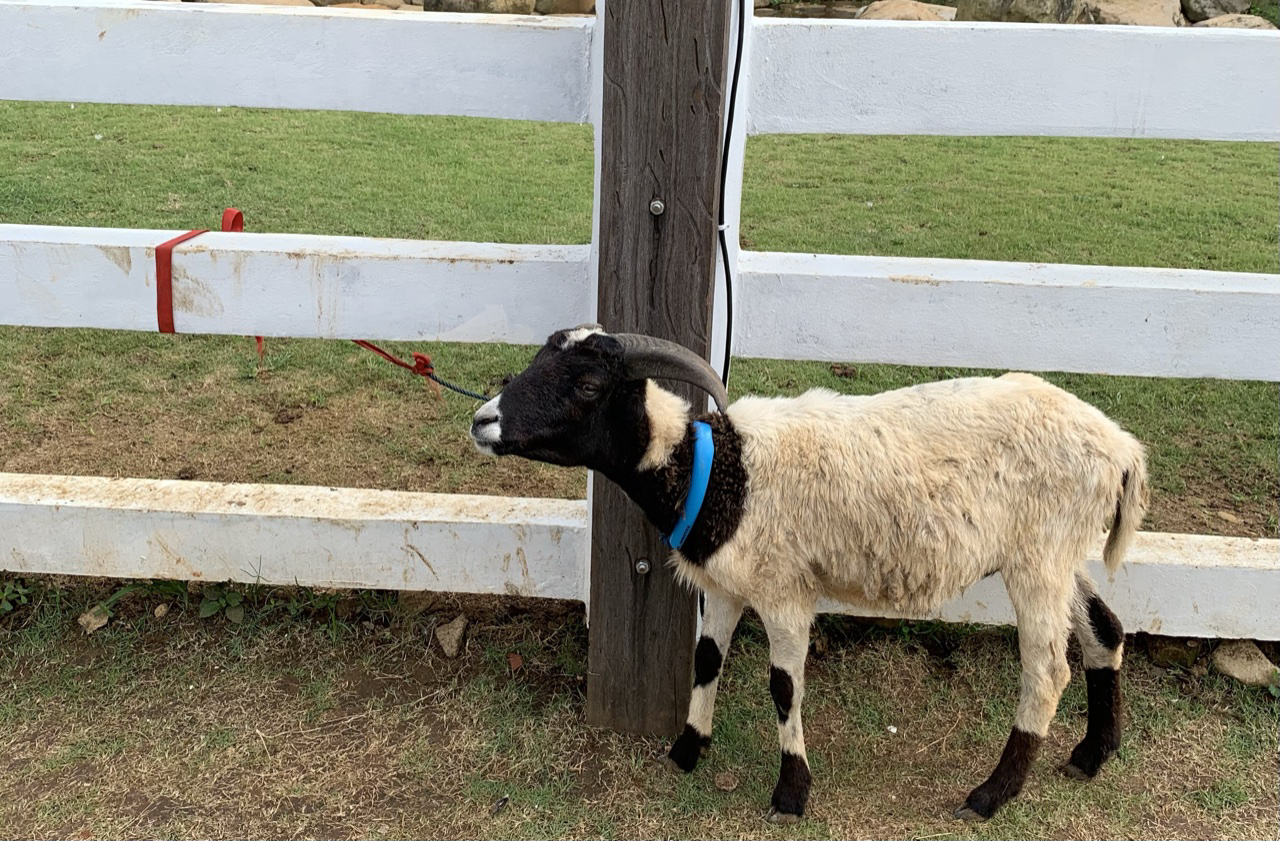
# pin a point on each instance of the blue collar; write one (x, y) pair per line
(704, 451)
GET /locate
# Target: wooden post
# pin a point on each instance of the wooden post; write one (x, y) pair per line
(660, 134)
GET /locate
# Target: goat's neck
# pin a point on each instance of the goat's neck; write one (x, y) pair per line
(656, 468)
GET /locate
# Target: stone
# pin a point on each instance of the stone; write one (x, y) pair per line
(493, 7)
(270, 2)
(1244, 661)
(1131, 12)
(1019, 11)
(565, 7)
(944, 12)
(450, 636)
(1238, 22)
(1172, 652)
(898, 10)
(1198, 10)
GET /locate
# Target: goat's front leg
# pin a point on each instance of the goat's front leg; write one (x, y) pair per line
(720, 616)
(788, 647)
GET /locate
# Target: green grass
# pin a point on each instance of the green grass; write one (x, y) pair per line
(328, 414)
(286, 725)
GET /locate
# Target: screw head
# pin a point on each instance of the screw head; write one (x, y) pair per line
(656, 207)
(642, 566)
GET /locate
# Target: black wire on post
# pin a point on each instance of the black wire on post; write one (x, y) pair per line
(724, 177)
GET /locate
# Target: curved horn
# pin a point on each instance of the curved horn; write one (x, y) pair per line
(646, 357)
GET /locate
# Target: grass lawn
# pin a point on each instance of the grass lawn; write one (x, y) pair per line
(321, 715)
(324, 717)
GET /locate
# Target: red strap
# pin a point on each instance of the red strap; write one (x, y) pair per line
(232, 220)
(421, 362)
(164, 279)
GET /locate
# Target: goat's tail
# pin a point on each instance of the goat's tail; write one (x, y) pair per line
(1131, 507)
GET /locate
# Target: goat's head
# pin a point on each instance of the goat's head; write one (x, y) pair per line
(582, 396)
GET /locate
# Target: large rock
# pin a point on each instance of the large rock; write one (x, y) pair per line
(899, 10)
(1131, 12)
(1018, 11)
(1244, 661)
(1238, 22)
(565, 7)
(1198, 10)
(496, 7)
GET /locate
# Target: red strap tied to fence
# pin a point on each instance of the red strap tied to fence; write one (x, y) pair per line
(232, 220)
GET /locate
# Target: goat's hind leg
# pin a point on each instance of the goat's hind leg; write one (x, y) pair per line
(788, 647)
(720, 616)
(1101, 641)
(1044, 619)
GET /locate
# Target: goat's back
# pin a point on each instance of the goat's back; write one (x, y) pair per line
(905, 498)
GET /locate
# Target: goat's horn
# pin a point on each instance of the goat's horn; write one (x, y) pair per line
(647, 357)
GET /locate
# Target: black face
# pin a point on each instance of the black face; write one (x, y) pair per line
(557, 410)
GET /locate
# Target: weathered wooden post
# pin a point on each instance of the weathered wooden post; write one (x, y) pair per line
(659, 173)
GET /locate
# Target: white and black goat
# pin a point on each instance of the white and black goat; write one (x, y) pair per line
(899, 500)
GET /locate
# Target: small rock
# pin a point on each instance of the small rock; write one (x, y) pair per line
(1238, 22)
(450, 636)
(1172, 652)
(726, 781)
(515, 661)
(898, 10)
(93, 619)
(892, 729)
(161, 611)
(1244, 661)
(1228, 516)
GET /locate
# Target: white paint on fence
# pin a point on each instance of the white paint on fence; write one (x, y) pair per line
(140, 52)
(1029, 316)
(1175, 584)
(1172, 584)
(275, 534)
(293, 285)
(904, 77)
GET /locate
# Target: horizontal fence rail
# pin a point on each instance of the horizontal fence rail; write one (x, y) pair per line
(1032, 316)
(286, 535)
(903, 310)
(1182, 585)
(860, 77)
(140, 52)
(1174, 584)
(293, 285)
(906, 77)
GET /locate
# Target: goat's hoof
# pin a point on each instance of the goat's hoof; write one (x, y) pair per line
(1074, 772)
(670, 764)
(783, 817)
(968, 813)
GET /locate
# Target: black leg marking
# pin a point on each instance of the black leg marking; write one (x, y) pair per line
(782, 690)
(1006, 781)
(706, 662)
(792, 791)
(1103, 734)
(1106, 627)
(687, 750)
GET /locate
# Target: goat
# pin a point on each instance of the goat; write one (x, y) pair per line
(896, 501)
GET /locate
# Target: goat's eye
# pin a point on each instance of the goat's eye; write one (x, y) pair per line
(588, 389)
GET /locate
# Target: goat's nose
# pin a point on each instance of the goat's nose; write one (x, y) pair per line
(486, 425)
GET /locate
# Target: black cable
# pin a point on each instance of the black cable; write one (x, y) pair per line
(724, 177)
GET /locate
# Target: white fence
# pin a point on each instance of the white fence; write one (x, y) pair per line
(799, 76)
